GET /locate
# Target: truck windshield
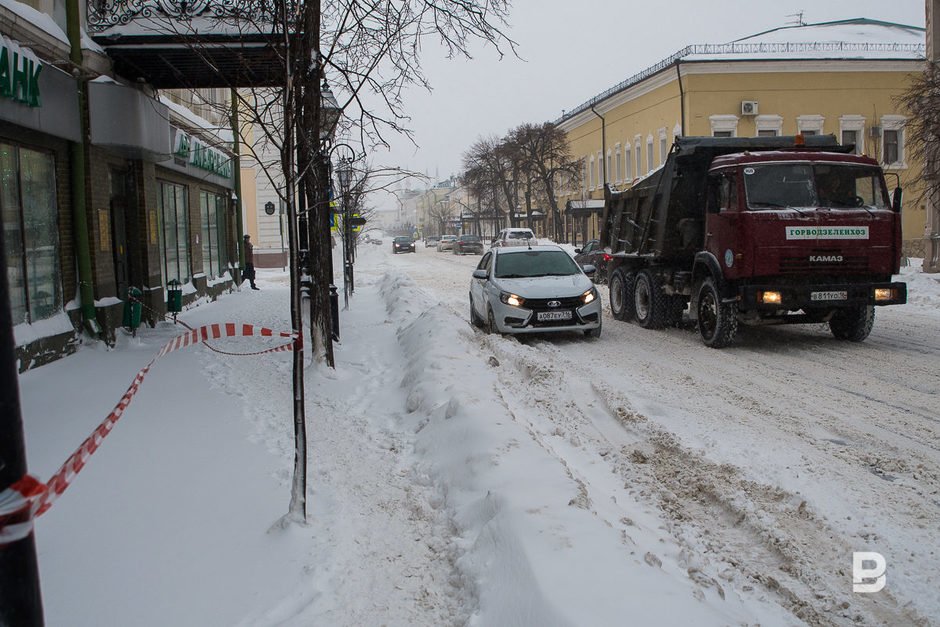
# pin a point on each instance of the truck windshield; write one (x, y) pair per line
(836, 186)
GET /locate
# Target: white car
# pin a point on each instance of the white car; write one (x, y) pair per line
(446, 243)
(538, 289)
(515, 237)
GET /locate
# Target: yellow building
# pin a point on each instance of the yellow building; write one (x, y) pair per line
(842, 78)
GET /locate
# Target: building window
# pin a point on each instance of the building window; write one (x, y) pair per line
(627, 165)
(637, 156)
(810, 124)
(584, 175)
(768, 125)
(649, 153)
(619, 165)
(607, 169)
(30, 225)
(724, 125)
(892, 141)
(212, 211)
(662, 146)
(174, 213)
(852, 131)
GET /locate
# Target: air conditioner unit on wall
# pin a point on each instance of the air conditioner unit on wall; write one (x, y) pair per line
(748, 107)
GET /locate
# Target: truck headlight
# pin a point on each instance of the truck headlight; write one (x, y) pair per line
(770, 298)
(884, 293)
(511, 299)
(589, 296)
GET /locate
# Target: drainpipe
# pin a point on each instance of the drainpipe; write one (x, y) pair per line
(603, 143)
(77, 176)
(681, 100)
(237, 173)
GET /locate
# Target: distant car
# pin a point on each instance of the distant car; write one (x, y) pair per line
(378, 241)
(446, 243)
(515, 237)
(541, 289)
(593, 254)
(468, 244)
(431, 240)
(403, 244)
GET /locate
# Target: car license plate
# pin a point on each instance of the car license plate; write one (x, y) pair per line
(547, 316)
(829, 296)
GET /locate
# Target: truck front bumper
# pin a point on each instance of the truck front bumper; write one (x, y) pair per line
(827, 296)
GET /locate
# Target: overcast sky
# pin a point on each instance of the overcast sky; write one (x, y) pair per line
(574, 49)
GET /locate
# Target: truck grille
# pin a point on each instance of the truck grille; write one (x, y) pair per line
(802, 264)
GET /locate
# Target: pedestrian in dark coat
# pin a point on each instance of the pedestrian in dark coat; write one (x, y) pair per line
(249, 271)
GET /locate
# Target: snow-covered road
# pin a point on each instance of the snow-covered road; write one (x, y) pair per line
(772, 461)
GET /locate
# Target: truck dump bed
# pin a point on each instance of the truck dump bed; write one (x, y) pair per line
(662, 217)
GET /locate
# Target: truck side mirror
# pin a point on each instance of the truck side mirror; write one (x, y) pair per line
(896, 200)
(712, 204)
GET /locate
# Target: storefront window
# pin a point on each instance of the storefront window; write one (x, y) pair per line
(212, 207)
(174, 212)
(30, 226)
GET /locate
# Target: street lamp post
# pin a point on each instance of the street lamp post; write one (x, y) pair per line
(344, 174)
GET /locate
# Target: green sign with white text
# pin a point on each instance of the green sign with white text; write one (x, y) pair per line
(19, 74)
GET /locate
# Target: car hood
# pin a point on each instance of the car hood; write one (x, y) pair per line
(546, 286)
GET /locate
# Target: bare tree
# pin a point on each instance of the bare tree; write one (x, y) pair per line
(922, 100)
(546, 158)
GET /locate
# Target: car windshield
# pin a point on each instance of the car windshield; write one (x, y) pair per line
(775, 186)
(448, 237)
(402, 240)
(535, 263)
(469, 238)
(520, 235)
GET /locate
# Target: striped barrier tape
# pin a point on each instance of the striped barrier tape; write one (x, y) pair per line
(28, 498)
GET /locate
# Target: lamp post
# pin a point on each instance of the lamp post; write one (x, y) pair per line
(344, 174)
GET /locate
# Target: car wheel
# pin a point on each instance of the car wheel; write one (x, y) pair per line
(717, 321)
(649, 301)
(595, 333)
(853, 324)
(491, 321)
(621, 295)
(475, 319)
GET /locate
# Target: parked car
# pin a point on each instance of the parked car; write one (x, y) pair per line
(467, 244)
(593, 254)
(515, 237)
(541, 289)
(403, 244)
(446, 243)
(431, 240)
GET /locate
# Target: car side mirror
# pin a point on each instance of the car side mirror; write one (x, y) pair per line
(479, 274)
(589, 269)
(577, 251)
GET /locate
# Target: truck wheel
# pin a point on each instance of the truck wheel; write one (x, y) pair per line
(621, 295)
(649, 301)
(717, 321)
(852, 324)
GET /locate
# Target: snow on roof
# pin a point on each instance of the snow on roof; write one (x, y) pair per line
(46, 24)
(852, 39)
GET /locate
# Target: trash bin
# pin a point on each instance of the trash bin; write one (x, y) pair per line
(174, 297)
(132, 309)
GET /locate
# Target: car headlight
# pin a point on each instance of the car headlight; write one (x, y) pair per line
(589, 296)
(511, 299)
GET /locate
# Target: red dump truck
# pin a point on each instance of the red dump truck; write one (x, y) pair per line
(762, 230)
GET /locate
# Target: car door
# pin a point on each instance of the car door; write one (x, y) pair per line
(478, 286)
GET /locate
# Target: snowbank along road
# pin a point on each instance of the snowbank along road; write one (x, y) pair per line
(769, 462)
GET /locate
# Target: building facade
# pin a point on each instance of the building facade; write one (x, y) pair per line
(107, 188)
(841, 78)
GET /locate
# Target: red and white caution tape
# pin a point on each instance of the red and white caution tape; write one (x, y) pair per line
(28, 497)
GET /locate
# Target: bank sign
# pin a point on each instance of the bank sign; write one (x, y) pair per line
(19, 74)
(827, 232)
(199, 155)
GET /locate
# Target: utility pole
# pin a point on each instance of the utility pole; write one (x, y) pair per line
(20, 598)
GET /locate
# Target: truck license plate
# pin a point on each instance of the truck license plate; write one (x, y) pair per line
(829, 296)
(546, 316)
